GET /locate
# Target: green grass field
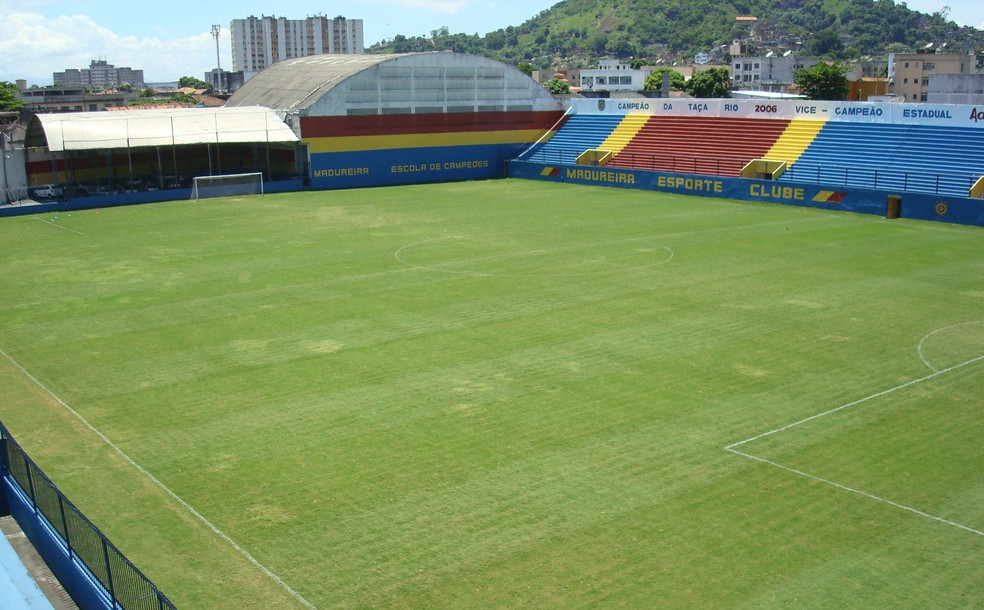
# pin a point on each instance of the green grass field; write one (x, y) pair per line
(508, 394)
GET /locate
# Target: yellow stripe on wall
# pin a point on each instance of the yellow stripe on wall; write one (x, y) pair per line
(421, 140)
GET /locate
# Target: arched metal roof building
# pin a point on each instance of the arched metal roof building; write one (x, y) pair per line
(395, 119)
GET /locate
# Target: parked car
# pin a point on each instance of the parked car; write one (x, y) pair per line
(48, 191)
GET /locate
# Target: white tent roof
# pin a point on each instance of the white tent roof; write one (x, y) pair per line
(171, 127)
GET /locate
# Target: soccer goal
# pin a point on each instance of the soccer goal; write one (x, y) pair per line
(227, 185)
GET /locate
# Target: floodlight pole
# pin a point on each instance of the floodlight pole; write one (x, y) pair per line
(216, 29)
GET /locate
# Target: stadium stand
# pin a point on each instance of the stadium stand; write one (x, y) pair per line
(897, 160)
(795, 139)
(577, 134)
(887, 156)
(909, 158)
(699, 145)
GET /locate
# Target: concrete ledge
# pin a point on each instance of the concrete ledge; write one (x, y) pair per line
(26, 582)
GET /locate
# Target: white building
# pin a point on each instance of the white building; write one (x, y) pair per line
(770, 72)
(613, 75)
(259, 42)
(956, 89)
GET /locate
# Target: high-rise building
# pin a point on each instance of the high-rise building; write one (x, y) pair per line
(99, 74)
(258, 42)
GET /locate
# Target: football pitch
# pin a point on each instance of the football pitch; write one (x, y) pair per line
(508, 394)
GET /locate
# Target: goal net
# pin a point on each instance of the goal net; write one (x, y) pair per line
(227, 185)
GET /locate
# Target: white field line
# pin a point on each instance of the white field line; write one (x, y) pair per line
(48, 222)
(857, 491)
(732, 448)
(854, 403)
(922, 341)
(158, 483)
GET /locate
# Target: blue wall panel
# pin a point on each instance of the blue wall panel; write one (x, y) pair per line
(385, 167)
(958, 210)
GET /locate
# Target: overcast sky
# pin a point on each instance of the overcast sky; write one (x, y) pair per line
(171, 39)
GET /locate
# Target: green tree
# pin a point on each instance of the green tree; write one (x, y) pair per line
(526, 68)
(621, 46)
(713, 82)
(598, 42)
(654, 82)
(557, 86)
(9, 99)
(194, 83)
(824, 43)
(823, 81)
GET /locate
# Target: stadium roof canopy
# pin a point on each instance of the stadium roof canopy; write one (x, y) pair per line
(296, 84)
(433, 82)
(170, 127)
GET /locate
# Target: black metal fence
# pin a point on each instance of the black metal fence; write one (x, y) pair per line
(128, 588)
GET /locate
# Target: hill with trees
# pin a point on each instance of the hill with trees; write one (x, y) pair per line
(575, 33)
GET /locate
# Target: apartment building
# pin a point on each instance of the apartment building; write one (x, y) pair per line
(259, 42)
(908, 73)
(770, 72)
(99, 74)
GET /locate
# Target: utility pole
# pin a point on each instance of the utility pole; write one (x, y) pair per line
(218, 75)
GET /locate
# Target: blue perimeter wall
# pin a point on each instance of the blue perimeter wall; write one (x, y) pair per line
(108, 201)
(957, 210)
(388, 167)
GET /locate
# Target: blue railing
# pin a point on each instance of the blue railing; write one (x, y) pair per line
(90, 568)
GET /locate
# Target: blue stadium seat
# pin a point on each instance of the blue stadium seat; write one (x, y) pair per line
(905, 158)
(578, 134)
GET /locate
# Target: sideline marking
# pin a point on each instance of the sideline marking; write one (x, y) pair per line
(732, 448)
(157, 482)
(50, 222)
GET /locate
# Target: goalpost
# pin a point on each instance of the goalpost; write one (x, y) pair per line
(227, 185)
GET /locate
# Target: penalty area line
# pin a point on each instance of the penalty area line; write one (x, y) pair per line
(855, 402)
(859, 492)
(159, 483)
(733, 448)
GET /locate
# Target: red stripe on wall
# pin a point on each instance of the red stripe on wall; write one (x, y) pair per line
(396, 124)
